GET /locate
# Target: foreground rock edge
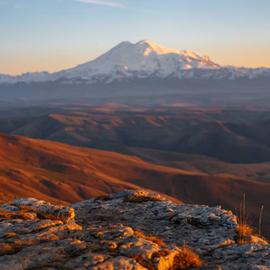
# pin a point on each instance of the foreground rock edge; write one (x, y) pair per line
(126, 230)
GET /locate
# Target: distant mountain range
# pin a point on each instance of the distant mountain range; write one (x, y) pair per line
(142, 60)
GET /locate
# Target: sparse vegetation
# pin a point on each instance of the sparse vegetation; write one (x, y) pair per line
(152, 238)
(244, 232)
(260, 220)
(187, 259)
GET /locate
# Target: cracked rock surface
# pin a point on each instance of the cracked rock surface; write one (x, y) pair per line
(126, 230)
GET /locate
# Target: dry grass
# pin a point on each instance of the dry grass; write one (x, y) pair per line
(187, 259)
(152, 238)
(243, 232)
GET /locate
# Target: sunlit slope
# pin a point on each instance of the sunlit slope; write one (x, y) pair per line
(53, 170)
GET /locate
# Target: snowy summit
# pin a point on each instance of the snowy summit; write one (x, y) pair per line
(142, 60)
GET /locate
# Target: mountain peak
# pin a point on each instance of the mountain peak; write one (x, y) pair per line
(147, 42)
(123, 44)
(144, 58)
(154, 47)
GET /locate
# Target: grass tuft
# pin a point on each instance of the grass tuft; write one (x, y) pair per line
(244, 232)
(152, 238)
(187, 259)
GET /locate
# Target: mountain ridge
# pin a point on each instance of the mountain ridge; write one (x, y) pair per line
(143, 59)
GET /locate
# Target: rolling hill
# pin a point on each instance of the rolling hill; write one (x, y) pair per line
(231, 135)
(59, 172)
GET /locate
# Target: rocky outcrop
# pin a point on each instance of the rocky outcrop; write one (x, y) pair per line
(126, 230)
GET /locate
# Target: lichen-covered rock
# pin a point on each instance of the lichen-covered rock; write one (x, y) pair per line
(42, 209)
(143, 196)
(126, 230)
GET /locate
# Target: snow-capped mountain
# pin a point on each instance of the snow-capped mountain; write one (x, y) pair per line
(144, 59)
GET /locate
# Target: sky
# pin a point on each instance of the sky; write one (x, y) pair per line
(37, 35)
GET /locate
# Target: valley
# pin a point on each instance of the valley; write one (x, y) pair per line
(228, 134)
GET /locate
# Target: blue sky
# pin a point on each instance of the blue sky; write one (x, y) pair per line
(53, 34)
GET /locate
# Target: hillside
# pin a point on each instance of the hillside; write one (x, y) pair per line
(59, 172)
(232, 135)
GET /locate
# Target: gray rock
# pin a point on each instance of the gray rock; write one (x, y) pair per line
(127, 230)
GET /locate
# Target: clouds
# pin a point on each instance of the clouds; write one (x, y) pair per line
(108, 3)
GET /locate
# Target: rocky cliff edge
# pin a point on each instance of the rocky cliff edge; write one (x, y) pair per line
(126, 230)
